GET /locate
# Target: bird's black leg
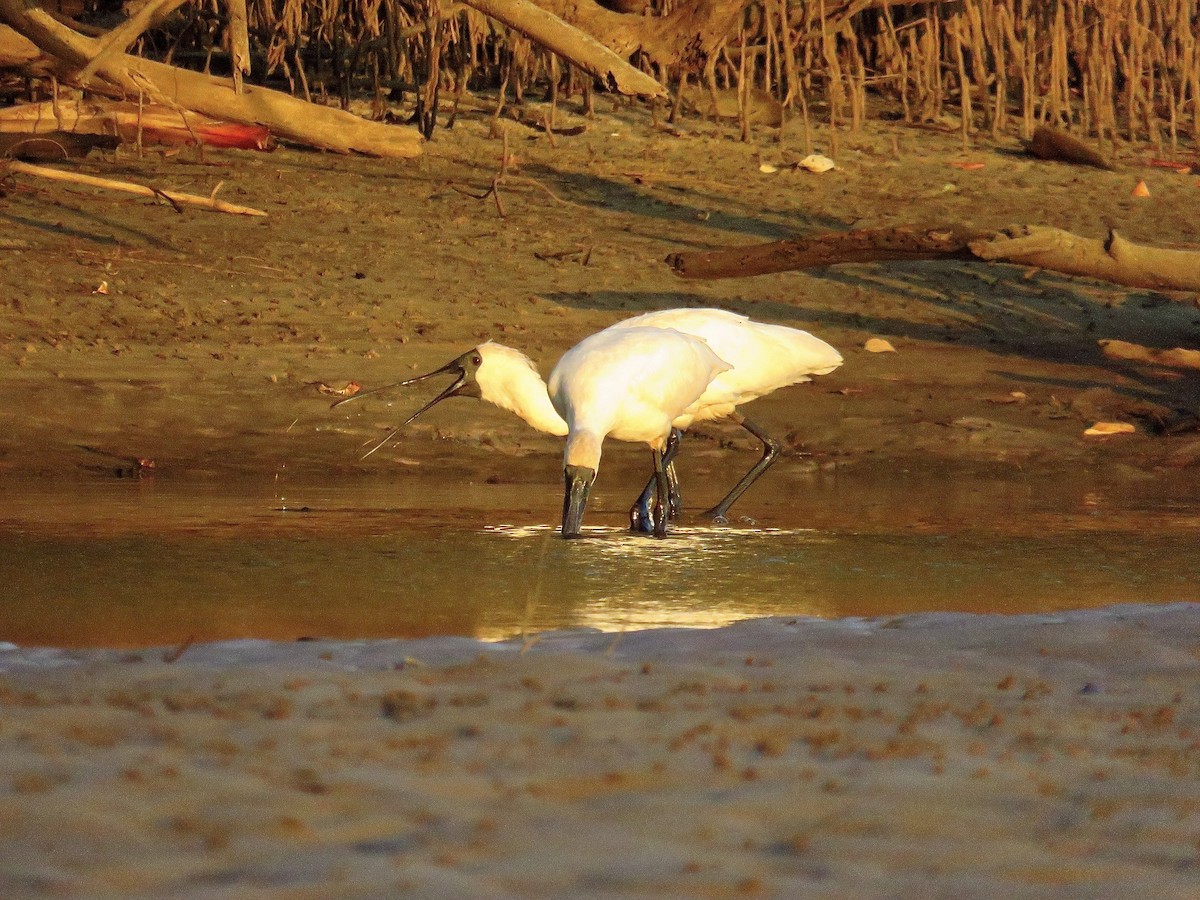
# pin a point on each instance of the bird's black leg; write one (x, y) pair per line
(674, 499)
(660, 496)
(771, 450)
(641, 517)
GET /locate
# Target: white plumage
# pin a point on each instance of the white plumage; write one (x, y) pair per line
(633, 384)
(762, 357)
(630, 384)
(639, 380)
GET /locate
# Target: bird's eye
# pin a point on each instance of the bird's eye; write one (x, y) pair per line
(477, 359)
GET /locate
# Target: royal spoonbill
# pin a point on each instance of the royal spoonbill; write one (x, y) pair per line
(630, 384)
(763, 358)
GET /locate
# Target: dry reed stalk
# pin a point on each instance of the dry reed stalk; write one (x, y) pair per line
(788, 51)
(1118, 69)
(743, 85)
(773, 69)
(858, 88)
(555, 74)
(977, 44)
(1058, 109)
(808, 137)
(834, 93)
(964, 83)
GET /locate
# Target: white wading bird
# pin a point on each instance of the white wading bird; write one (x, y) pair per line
(595, 378)
(763, 358)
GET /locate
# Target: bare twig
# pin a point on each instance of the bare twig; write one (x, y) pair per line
(174, 197)
(122, 37)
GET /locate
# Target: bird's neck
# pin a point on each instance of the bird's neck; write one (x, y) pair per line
(583, 448)
(524, 393)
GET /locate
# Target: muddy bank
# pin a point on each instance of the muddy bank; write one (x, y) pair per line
(196, 341)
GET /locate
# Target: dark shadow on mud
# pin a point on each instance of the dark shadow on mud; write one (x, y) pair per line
(694, 205)
(58, 229)
(1051, 318)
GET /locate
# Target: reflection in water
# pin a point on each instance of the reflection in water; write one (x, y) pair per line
(142, 565)
(700, 577)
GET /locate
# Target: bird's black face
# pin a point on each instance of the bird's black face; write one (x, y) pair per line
(466, 384)
(578, 483)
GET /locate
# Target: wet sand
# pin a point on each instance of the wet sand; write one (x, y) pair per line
(930, 755)
(921, 755)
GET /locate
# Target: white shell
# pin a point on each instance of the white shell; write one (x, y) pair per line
(815, 162)
(1111, 428)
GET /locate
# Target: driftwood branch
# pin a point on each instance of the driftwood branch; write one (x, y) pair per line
(174, 197)
(317, 126)
(123, 36)
(1177, 358)
(1113, 259)
(828, 249)
(571, 43)
(690, 34)
(238, 40)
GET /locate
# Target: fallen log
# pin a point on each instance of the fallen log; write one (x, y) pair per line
(828, 249)
(154, 123)
(1176, 358)
(175, 197)
(1112, 259)
(570, 43)
(16, 52)
(124, 76)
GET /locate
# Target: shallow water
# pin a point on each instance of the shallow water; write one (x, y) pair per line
(145, 562)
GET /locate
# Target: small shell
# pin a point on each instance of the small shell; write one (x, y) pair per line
(1101, 428)
(351, 388)
(815, 162)
(1140, 190)
(878, 345)
(768, 169)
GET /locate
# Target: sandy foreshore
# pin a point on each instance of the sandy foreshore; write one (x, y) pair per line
(925, 755)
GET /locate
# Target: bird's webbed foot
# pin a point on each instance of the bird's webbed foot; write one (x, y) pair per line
(717, 515)
(641, 518)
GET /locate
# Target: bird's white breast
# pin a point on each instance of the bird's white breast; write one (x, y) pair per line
(632, 383)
